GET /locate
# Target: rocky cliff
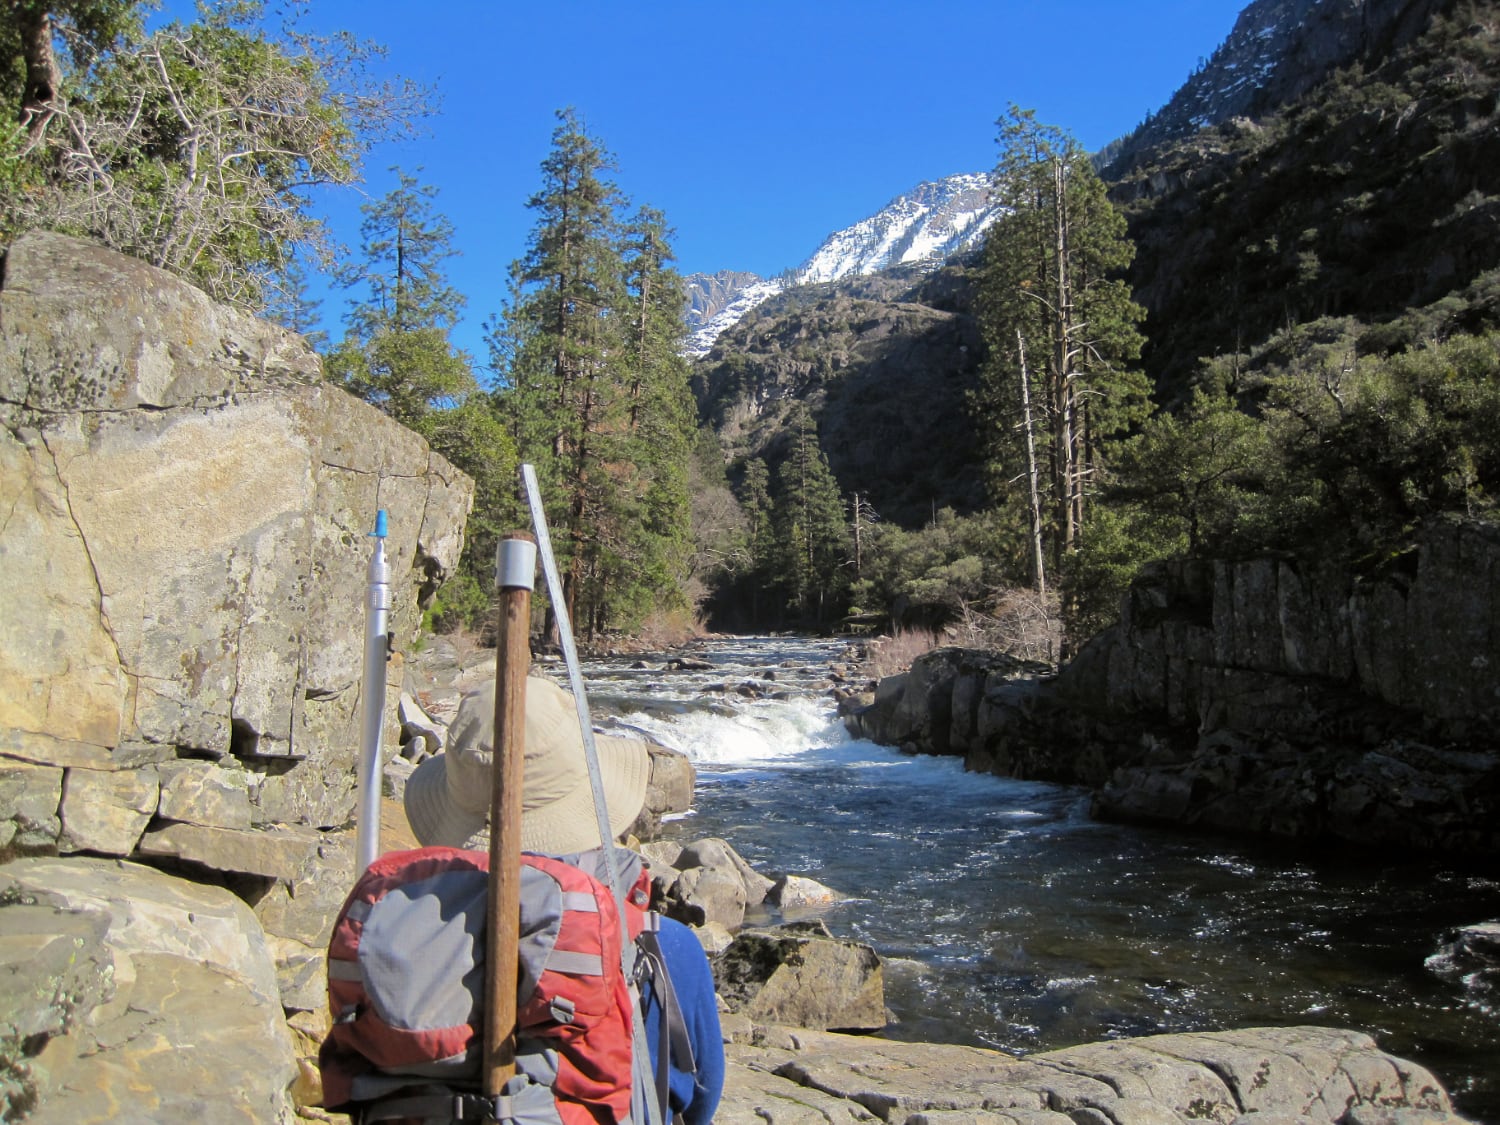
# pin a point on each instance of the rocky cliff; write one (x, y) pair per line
(1277, 52)
(1262, 696)
(1373, 189)
(185, 550)
(709, 294)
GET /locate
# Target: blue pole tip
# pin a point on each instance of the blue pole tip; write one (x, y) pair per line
(380, 524)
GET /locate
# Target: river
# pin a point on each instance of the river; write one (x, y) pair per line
(1008, 919)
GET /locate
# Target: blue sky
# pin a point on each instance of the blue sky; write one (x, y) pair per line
(759, 127)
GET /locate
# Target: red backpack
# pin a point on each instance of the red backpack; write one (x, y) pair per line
(406, 982)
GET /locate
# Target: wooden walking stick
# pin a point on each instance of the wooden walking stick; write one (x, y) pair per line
(515, 574)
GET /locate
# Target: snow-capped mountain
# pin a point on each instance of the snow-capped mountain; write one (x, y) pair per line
(702, 336)
(930, 223)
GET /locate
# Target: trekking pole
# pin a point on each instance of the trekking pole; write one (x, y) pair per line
(515, 574)
(641, 1055)
(372, 700)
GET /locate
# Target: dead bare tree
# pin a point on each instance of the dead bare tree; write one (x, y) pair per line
(194, 147)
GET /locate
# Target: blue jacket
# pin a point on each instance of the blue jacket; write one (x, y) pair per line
(693, 1095)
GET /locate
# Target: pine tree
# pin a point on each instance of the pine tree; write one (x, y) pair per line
(813, 533)
(396, 352)
(755, 498)
(662, 415)
(397, 355)
(594, 390)
(1055, 312)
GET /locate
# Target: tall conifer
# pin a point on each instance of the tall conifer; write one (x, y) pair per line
(662, 416)
(813, 531)
(397, 354)
(594, 389)
(1055, 312)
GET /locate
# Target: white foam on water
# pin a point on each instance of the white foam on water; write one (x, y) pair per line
(770, 732)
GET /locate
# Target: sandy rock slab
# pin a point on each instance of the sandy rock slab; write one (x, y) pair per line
(129, 996)
(1266, 1076)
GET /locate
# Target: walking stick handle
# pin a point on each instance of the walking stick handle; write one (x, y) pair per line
(516, 575)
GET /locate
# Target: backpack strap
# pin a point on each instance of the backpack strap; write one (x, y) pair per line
(521, 1102)
(451, 1106)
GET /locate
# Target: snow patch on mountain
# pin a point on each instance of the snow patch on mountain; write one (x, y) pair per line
(931, 223)
(701, 340)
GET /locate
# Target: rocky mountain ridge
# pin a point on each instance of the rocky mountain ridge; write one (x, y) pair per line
(881, 360)
(924, 227)
(1277, 52)
(1374, 195)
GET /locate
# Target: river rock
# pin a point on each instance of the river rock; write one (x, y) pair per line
(669, 788)
(673, 779)
(802, 978)
(185, 554)
(797, 894)
(1472, 961)
(1310, 1075)
(698, 896)
(166, 1008)
(714, 937)
(713, 852)
(706, 881)
(421, 735)
(661, 855)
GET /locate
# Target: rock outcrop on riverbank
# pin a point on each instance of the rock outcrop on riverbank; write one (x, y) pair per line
(1294, 1074)
(180, 642)
(1264, 696)
(147, 998)
(185, 547)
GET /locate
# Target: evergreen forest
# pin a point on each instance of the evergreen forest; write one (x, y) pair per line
(1274, 333)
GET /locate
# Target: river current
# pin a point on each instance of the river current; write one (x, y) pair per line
(1008, 919)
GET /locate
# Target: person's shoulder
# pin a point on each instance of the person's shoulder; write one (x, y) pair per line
(676, 934)
(682, 948)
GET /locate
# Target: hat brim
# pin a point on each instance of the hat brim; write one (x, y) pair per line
(435, 819)
(562, 827)
(570, 824)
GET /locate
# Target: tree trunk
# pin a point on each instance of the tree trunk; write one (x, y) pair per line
(42, 75)
(1063, 358)
(1038, 564)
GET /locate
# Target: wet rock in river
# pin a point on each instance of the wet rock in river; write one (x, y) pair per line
(804, 979)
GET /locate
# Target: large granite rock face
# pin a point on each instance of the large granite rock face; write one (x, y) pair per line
(1261, 696)
(127, 995)
(185, 554)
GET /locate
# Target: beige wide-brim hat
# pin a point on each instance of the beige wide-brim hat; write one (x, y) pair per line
(448, 796)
